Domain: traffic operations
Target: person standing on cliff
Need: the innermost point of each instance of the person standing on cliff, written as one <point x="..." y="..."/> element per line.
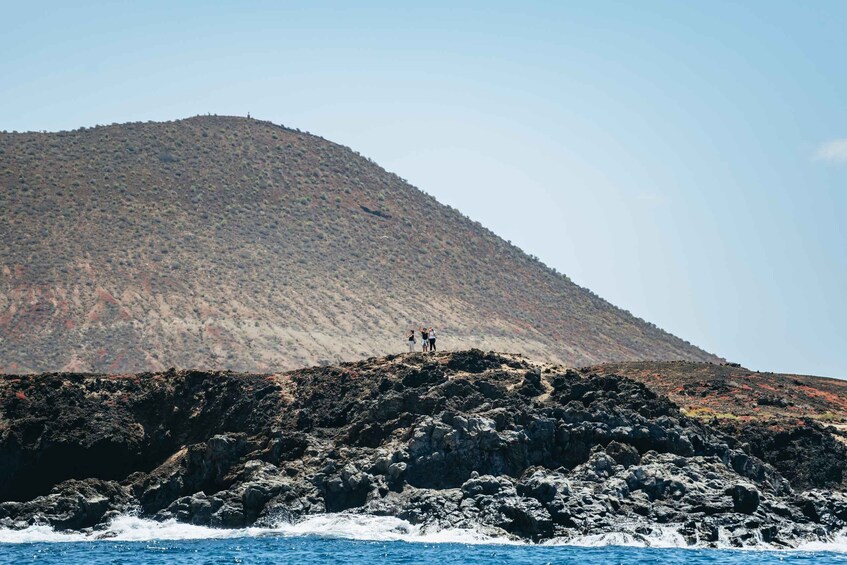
<point x="411" y="339"/>
<point x="432" y="339"/>
<point x="425" y="339"/>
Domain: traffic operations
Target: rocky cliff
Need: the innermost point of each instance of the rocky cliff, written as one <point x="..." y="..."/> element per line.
<point x="463" y="440"/>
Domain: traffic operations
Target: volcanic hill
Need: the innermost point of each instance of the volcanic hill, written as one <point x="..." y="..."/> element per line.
<point x="230" y="243"/>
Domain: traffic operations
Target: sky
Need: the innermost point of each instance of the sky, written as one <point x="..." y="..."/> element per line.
<point x="686" y="161"/>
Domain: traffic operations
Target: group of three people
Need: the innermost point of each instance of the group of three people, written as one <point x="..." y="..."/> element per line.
<point x="427" y="337"/>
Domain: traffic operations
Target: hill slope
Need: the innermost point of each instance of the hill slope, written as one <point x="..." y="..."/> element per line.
<point x="229" y="243"/>
<point x="731" y="392"/>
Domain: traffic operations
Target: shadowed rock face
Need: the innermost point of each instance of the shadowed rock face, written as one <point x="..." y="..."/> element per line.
<point x="469" y="440"/>
<point x="62" y="426"/>
<point x="809" y="455"/>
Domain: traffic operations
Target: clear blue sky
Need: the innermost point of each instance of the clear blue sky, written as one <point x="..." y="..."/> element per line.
<point x="685" y="160"/>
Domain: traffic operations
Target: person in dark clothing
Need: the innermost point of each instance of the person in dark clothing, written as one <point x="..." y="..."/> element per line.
<point x="424" y="339"/>
<point x="431" y="334"/>
<point x="411" y="339"/>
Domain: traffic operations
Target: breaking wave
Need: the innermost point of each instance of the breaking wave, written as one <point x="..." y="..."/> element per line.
<point x="344" y="526"/>
<point x="129" y="528"/>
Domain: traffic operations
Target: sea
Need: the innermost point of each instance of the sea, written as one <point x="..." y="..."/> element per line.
<point x="365" y="539"/>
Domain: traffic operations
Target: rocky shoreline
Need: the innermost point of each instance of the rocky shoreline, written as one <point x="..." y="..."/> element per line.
<point x="475" y="440"/>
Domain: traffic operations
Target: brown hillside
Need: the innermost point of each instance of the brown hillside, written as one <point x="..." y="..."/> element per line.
<point x="229" y="243"/>
<point x="731" y="392"/>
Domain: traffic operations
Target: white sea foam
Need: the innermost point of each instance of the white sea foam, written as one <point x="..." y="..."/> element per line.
<point x="381" y="528"/>
<point x="837" y="544"/>
<point x="667" y="538"/>
<point x="358" y="527"/>
<point x="123" y="528"/>
<point x="345" y="526"/>
<point x="38" y="534"/>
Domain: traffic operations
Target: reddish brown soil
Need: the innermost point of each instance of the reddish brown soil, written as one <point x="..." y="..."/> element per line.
<point x="729" y="392"/>
<point x="227" y="243"/>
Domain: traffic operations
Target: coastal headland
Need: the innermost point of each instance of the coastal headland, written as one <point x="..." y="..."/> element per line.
<point x="485" y="441"/>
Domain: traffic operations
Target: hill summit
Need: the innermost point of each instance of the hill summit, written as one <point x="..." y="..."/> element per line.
<point x="231" y="243"/>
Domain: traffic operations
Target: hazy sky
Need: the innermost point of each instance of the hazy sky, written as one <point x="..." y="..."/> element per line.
<point x="685" y="160"/>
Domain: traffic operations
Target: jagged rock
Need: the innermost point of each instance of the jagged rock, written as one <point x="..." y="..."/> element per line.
<point x="623" y="454"/>
<point x="745" y="498"/>
<point x="228" y="516"/>
<point x="488" y="485"/>
<point x="469" y="440"/>
<point x="396" y="470"/>
<point x="72" y="505"/>
<point x="544" y="486"/>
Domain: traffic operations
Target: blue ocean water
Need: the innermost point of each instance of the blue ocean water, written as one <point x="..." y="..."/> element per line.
<point x="308" y="549"/>
<point x="350" y="538"/>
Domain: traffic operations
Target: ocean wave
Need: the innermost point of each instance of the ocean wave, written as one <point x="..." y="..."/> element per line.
<point x="665" y="538"/>
<point x="344" y="526"/>
<point x="129" y="528"/>
<point x="836" y="544"/>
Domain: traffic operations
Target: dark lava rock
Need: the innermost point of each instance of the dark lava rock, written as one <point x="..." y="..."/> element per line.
<point x="475" y="361"/>
<point x="771" y="400"/>
<point x="745" y="498"/>
<point x="809" y="456"/>
<point x="71" y="505"/>
<point x="463" y="440"/>
<point x="624" y="454"/>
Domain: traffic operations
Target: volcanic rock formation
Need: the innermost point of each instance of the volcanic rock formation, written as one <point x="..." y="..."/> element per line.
<point x="464" y="440"/>
<point x="229" y="243"/>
